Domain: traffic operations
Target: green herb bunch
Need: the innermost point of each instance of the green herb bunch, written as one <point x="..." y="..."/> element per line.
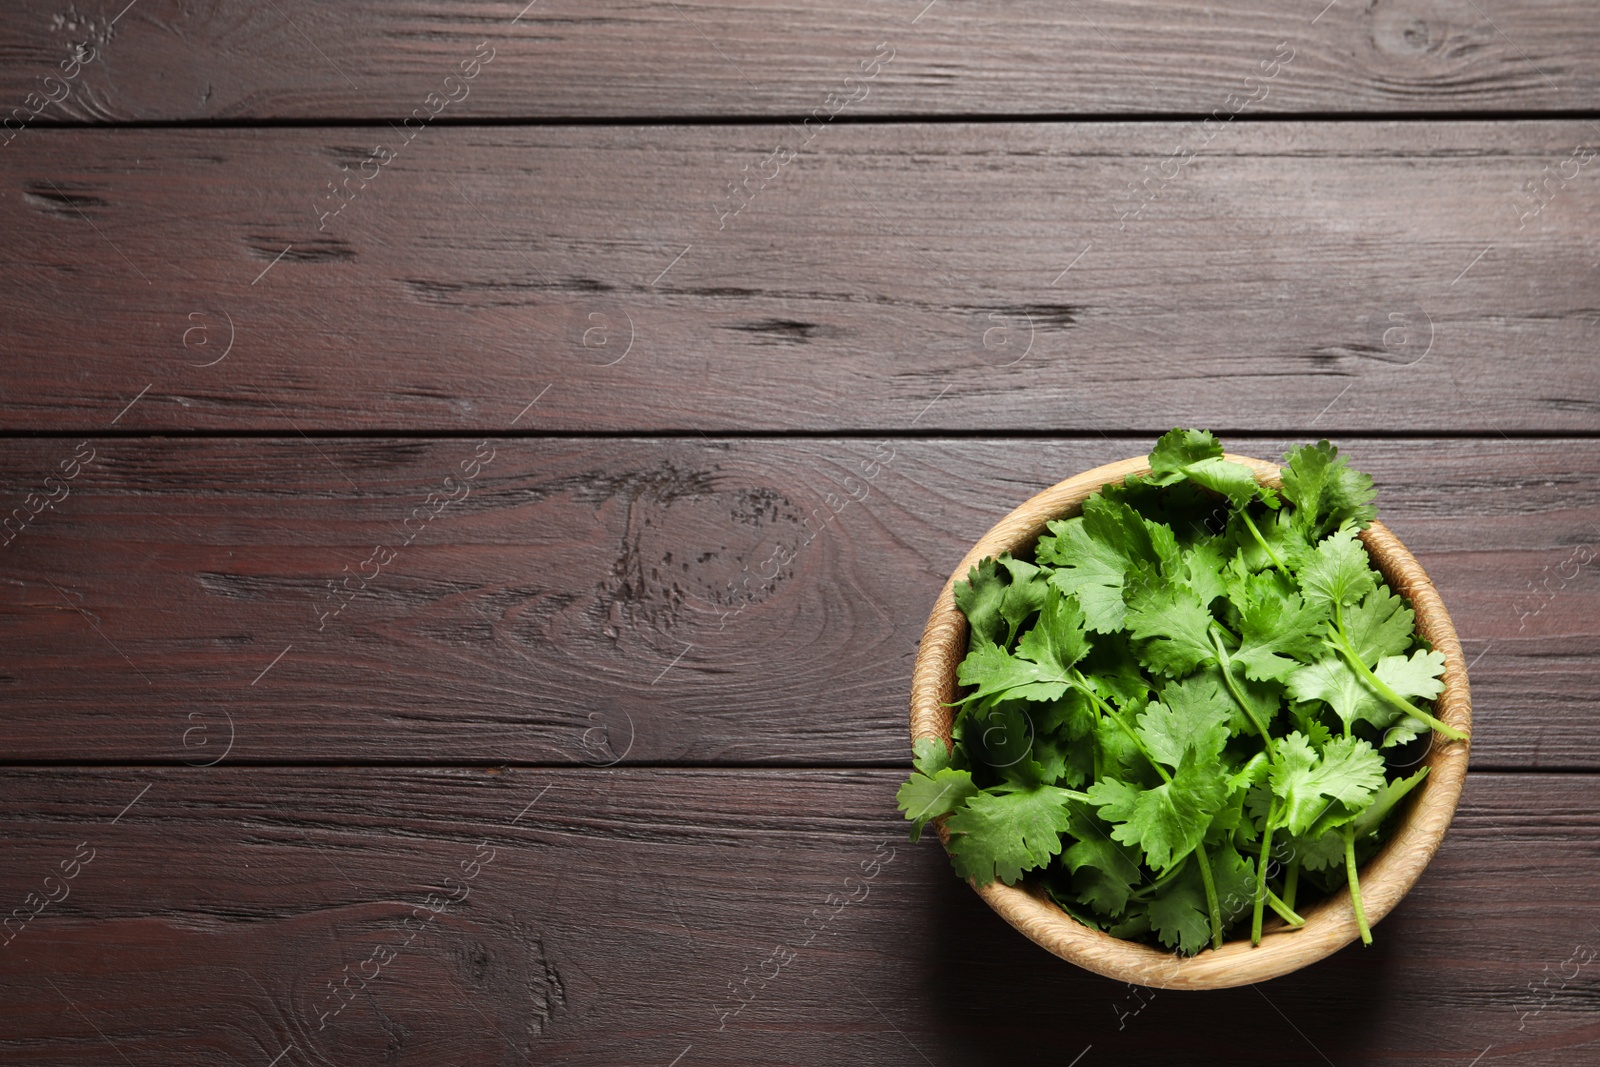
<point x="1193" y="680"/>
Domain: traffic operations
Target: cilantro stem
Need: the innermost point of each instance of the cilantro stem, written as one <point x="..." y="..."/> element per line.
<point x="1379" y="686"/>
<point x="1078" y="682"/>
<point x="1226" y="663"/>
<point x="1144" y="892"/>
<point x="1291" y="882"/>
<point x="1286" y="913"/>
<point x="1261" y="873"/>
<point x="1212" y="904"/>
<point x="1244" y="514"/>
<point x="1355" y="884"/>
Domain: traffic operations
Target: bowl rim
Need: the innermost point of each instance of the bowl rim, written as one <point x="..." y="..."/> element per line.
<point x="1330" y="924"/>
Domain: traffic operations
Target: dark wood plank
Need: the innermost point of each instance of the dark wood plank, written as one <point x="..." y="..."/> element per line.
<point x="1368" y="276"/>
<point x="617" y="914"/>
<point x="722" y="601"/>
<point x="296" y="59"/>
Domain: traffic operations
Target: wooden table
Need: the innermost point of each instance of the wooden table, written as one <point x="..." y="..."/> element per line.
<point x="492" y="463"/>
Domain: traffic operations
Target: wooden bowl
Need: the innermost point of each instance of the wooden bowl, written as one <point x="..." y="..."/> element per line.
<point x="1331" y="924"/>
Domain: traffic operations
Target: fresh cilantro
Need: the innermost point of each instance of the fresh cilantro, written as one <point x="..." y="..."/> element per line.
<point x="1090" y="557"/>
<point x="1182" y="701"/>
<point x="1419" y="676"/>
<point x="1277" y="629"/>
<point x="1193" y="721"/>
<point x="1167" y="821"/>
<point x="1178" y="914"/>
<point x="1197" y="456"/>
<point x="925" y="798"/>
<point x="1326" y="493"/>
<point x="1384" y="802"/>
<point x="995" y="606"/>
<point x="1380" y="625"/>
<point x="979" y="597"/>
<point x="1058" y="640"/>
<point x="1105" y="873"/>
<point x="929" y="755"/>
<point x="1348" y="770"/>
<point x="1000" y="835"/>
<point x="1172" y="623"/>
<point x="1038" y="670"/>
<point x="1203" y="565"/>
<point x="1333" y="682"/>
<point x="1339" y="571"/>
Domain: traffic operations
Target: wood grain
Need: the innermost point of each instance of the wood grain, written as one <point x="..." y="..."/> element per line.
<point x="616" y="912"/>
<point x="386" y="652"/>
<point x="561" y="58"/>
<point x="1374" y="276"/>
<point x="719" y="601"/>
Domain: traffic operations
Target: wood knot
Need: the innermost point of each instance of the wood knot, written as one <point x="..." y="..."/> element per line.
<point x="1410" y="29"/>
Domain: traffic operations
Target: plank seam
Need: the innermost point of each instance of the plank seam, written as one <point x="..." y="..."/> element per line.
<point x="899" y="433"/>
<point x="893" y="119"/>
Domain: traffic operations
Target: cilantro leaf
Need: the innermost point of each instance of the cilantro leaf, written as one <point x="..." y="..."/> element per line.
<point x="1277" y="629"/>
<point x="1105" y="881"/>
<point x="1289" y="546"/>
<point x="1235" y="881"/>
<point x="1408" y="729"/>
<point x="1044" y="656"/>
<point x="924" y="798"/>
<point x="1058" y="639"/>
<point x="1168" y="821"/>
<point x="1174" y="625"/>
<point x="1288" y="541"/>
<point x="1197" y="456"/>
<point x="1317" y="731"/>
<point x="1195" y="722"/>
<point x="1203" y="567"/>
<point x="1178" y="914"/>
<point x="1254" y="772"/>
<point x="1119" y="755"/>
<point x="929" y="755"/>
<point x="1339" y="571"/>
<point x="1384" y="802"/>
<point x="1265" y="699"/>
<point x="1348" y="770"/>
<point x="1113" y="671"/>
<point x="1025" y="595"/>
<point x="1229" y="823"/>
<point x="1320" y="852"/>
<point x="992" y="671"/>
<point x="1092" y="554"/>
<point x="1419" y="676"/>
<point x="1334" y="681"/>
<point x="1061" y="761"/>
<point x="1000" y="835"/>
<point x="979" y="597"/>
<point x="1072" y="715"/>
<point x="1133" y="926"/>
<point x="1192" y="512"/>
<point x="1325" y="492"/>
<point x="1104" y="872"/>
<point x="1001" y="735"/>
<point x="1380" y="625"/>
<point x="996" y="607"/>
<point x="1350" y="696"/>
